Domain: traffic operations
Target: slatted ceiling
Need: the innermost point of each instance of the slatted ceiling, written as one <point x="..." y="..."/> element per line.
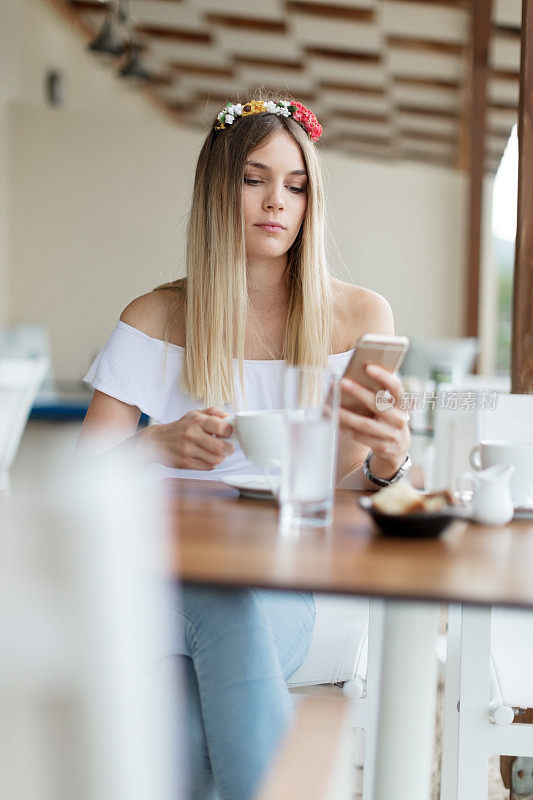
<point x="429" y="147"/>
<point x="350" y="4"/>
<point x="500" y="119"/>
<point x="504" y="52"/>
<point x="438" y="98"/>
<point x="434" y="23"/>
<point x="167" y="13"/>
<point x="297" y="79"/>
<point x="363" y="37"/>
<point x="503" y="91"/>
<point x="192" y="84"/>
<point x="168" y="50"/>
<point x="371" y="74"/>
<point x="270" y="9"/>
<point x="496" y="144"/>
<point x="508" y="12"/>
<point x="383" y="76"/>
<point x="366" y="103"/>
<point x="425" y="64"/>
<point x="427" y="123"/>
<point x="254" y="42"/>
<point x="345" y="127"/>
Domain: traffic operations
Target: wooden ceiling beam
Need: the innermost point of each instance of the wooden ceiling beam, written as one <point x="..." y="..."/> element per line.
<point x="432" y="46"/>
<point x="87" y="5"/>
<point x="362" y="116"/>
<point x="477" y="105"/>
<point x="247" y="23"/>
<point x="436" y="3"/>
<point x="184" y="68"/>
<point x="268" y="63"/>
<point x="352" y="88"/>
<point x="176" y="34"/>
<point x="361" y="138"/>
<point x="345" y="55"/>
<point x="330" y="11"/>
<point x="416" y="133"/>
<point x="504" y="75"/>
<point x="522" y="335"/>
<point x="426" y="111"/>
<point x="425" y="83"/>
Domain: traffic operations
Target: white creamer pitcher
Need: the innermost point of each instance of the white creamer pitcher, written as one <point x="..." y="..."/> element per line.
<point x="491" y="502"/>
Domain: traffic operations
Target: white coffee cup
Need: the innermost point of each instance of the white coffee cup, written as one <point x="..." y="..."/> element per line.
<point x="260" y="435"/>
<point x="490" y="452"/>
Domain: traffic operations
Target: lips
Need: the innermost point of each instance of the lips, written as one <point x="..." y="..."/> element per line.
<point x="271" y="227"/>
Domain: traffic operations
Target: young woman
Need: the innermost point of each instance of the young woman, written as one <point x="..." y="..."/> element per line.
<point x="257" y="295"/>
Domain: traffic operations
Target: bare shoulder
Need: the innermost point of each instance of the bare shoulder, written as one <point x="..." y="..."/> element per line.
<point x="357" y="311"/>
<point x="156" y="313"/>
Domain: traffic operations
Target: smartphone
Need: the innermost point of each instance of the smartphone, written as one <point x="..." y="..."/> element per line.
<point x="385" y="351"/>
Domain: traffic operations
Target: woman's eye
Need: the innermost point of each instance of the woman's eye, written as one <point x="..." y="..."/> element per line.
<point x="297" y="189"/>
<point x="252" y="181"/>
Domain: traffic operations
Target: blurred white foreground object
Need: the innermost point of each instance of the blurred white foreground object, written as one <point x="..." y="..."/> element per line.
<point x="84" y="711"/>
<point x="20" y="380"/>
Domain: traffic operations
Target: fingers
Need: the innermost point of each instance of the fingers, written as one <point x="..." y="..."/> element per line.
<point x="386" y="379"/>
<point x="362" y="426"/>
<point x="389" y="411"/>
<point x="214" y="444"/>
<point x="192" y="451"/>
<point x="213" y="411"/>
<point x="214" y="424"/>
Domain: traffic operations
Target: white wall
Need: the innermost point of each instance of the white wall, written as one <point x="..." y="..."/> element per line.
<point x="100" y="194"/>
<point x="9" y="72"/>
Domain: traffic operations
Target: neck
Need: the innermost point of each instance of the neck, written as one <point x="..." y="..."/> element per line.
<point x="268" y="285"/>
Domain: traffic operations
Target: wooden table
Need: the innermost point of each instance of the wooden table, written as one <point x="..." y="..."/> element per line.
<point x="220" y="539"/>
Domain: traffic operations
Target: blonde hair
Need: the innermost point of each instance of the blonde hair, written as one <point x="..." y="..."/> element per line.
<point x="216" y="298"/>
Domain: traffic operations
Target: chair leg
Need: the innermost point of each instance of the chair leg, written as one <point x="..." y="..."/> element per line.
<point x="365" y="710"/>
<point x="474" y="722"/>
<point x="450" y="724"/>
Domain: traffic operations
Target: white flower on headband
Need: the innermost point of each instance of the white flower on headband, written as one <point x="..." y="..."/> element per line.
<point x="272" y="107"/>
<point x="237" y="109"/>
<point x="229" y="119"/>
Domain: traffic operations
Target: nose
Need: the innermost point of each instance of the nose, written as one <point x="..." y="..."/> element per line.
<point x="274" y="198"/>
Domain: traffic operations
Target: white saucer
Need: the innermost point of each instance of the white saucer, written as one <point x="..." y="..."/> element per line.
<point x="255" y="486"/>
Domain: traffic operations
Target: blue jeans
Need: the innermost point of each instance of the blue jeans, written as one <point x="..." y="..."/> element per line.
<point x="240" y="646"/>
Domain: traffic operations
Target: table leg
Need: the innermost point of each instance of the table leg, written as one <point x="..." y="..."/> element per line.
<point x="407" y="698"/>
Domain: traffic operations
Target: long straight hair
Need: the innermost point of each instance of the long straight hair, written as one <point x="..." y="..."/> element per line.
<point x="215" y="289"/>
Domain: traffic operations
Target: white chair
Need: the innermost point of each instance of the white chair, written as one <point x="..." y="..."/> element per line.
<point x="490" y="652"/>
<point x="456" y="423"/>
<point x="79" y="626"/>
<point x="20" y="380"/>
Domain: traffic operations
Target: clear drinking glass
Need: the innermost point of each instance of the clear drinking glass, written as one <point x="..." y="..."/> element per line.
<point x="309" y="451"/>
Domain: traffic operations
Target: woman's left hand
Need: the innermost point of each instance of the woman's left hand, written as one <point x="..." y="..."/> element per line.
<point x="386" y="430"/>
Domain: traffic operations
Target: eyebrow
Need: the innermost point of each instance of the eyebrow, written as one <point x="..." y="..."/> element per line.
<point x="258" y="165"/>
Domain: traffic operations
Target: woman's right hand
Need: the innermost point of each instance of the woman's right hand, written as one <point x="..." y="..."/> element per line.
<point x="196" y="441"/>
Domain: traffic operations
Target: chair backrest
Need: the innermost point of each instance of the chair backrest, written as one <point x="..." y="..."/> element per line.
<point x="82" y="631"/>
<point x="20" y="380"/>
<point x="454" y="354"/>
<point x="511" y="419"/>
<point x="457" y="424"/>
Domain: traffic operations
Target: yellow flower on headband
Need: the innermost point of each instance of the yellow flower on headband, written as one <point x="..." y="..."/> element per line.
<point x="253" y="107"/>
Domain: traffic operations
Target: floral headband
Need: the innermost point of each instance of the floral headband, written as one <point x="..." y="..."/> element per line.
<point x="282" y="108"/>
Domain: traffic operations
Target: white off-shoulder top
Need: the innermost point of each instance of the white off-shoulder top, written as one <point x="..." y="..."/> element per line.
<point x="144" y="372"/>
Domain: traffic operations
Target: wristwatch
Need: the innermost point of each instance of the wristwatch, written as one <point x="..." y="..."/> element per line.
<point x="404" y="468"/>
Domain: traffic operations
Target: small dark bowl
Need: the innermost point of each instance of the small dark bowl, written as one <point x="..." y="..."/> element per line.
<point x="418" y="525"/>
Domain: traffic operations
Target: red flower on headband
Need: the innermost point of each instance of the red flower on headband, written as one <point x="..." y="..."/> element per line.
<point x="306" y="117"/>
